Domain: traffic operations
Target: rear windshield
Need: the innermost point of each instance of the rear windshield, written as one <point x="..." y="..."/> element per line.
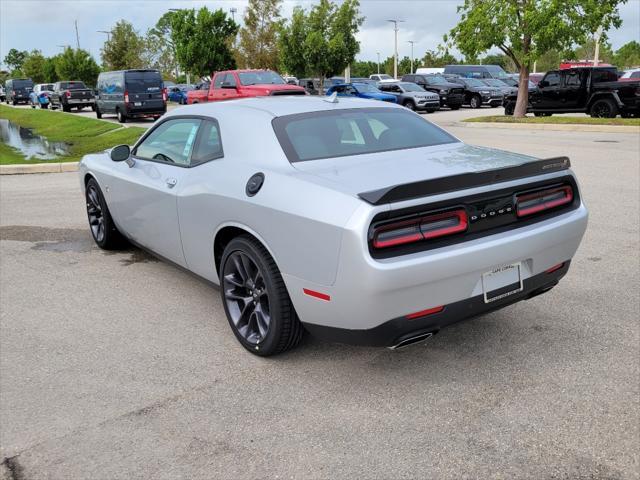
<point x="22" y="83"/>
<point x="260" y="78"/>
<point x="143" y="82"/>
<point x="341" y="133"/>
<point x="71" y="85"/>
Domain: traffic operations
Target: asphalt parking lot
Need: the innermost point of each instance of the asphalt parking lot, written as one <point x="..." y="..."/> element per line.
<point x="116" y="365"/>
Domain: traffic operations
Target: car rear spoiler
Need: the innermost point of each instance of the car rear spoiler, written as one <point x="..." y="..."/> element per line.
<point x="407" y="191"/>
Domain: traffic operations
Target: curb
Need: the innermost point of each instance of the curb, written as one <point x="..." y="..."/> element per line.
<point x="566" y="127"/>
<point x="22" y="168"/>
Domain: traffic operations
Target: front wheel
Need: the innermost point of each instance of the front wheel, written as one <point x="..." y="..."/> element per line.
<point x="475" y="102"/>
<point x="604" y="108"/>
<point x="103" y="230"/>
<point x="509" y="108"/>
<point x="122" y="118"/>
<point x="409" y="104"/>
<point x="255" y="299"/>
<point x="98" y="112"/>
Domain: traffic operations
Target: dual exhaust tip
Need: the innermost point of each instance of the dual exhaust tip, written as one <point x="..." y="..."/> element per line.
<point x="421" y="337"/>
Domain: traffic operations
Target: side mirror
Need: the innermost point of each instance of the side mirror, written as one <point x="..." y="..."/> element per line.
<point x="120" y="153"/>
<point x="227" y="85"/>
<point x="543" y="84"/>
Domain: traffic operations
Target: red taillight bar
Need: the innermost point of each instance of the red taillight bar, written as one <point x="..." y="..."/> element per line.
<point x="319" y="295"/>
<point x="554" y="268"/>
<point x="422" y="228"/>
<point x="126" y="97"/>
<point x="68" y="94"/>
<point x="531" y="203"/>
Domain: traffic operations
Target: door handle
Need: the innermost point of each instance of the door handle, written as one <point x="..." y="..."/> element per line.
<point x="171" y="182"/>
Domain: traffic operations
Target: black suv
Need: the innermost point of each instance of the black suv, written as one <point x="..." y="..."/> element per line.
<point x="18" y="90"/>
<point x="477" y="93"/>
<point x="592" y="90"/>
<point x="451" y="94"/>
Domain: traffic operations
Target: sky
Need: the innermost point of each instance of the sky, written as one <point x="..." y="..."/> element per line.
<point x="48" y="25"/>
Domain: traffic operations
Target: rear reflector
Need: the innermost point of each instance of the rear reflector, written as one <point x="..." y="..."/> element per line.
<point x="423" y="228"/>
<point x="424" y="313"/>
<point x="530" y="203"/>
<point x="554" y="268"/>
<point x="313" y="293"/>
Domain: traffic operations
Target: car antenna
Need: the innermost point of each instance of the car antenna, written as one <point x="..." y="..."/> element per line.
<point x="333" y="98"/>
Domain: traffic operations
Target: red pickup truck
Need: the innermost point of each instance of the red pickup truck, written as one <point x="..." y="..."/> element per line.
<point x="232" y="84"/>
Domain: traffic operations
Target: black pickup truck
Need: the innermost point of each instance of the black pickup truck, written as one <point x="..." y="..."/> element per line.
<point x="68" y="95"/>
<point x="592" y="90"/>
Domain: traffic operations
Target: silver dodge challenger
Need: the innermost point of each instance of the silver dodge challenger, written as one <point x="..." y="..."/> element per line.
<point x="358" y="221"/>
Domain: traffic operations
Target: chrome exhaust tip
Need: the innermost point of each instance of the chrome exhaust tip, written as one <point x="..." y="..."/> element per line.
<point x="412" y="341"/>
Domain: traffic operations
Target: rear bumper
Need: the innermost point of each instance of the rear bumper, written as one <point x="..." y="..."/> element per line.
<point x="146" y="111"/>
<point x="399" y="329"/>
<point x="454" y="100"/>
<point x="428" y="105"/>
<point x="367" y="293"/>
<point x="79" y="101"/>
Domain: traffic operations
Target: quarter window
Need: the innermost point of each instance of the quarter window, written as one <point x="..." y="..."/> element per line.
<point x="553" y="79"/>
<point x="572" y="79"/>
<point x="171" y="142"/>
<point x="209" y="144"/>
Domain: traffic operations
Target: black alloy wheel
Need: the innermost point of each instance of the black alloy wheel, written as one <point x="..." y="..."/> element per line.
<point x="247" y="298"/>
<point x="255" y="299"/>
<point x="103" y="230"/>
<point x="604" y="108"/>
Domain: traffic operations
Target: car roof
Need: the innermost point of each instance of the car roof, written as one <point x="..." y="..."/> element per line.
<point x="277" y="106"/>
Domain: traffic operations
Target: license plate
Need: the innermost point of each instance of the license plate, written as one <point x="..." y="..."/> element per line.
<point x="137" y="104"/>
<point x="502" y="282"/>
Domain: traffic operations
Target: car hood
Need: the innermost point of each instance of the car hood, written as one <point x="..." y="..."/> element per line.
<point x="421" y="95"/>
<point x="362" y="173"/>
<point x="270" y="87"/>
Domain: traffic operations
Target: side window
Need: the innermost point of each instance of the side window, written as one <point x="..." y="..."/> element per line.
<point x="572" y="79"/>
<point x="604" y="76"/>
<point x="552" y="79"/>
<point x="171" y="142"/>
<point x="217" y="82"/>
<point x="230" y="79"/>
<point x="209" y="145"/>
<point x="635" y="75"/>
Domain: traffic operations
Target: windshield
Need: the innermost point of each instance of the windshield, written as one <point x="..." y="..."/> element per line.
<point x="435" y="80"/>
<point x="260" y="78"/>
<point x="342" y="133"/>
<point x="473" y="82"/>
<point x="510" y="81"/>
<point x="72" y="85"/>
<point x="411" y="87"/>
<point x="143" y="82"/>
<point x="493" y="82"/>
<point x="384" y="76"/>
<point x="366" y="87"/>
<point x="22" y="83"/>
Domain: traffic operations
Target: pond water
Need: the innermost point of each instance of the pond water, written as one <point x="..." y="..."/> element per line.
<point x="32" y="146"/>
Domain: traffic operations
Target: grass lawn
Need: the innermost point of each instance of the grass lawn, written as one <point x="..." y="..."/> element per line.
<point x="557" y="120"/>
<point x="85" y="135"/>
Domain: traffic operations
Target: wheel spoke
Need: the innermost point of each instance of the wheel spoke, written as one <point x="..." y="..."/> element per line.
<point x="239" y="268"/>
<point x="232" y="280"/>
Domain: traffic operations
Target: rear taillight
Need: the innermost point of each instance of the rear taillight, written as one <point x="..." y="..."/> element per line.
<point x="164" y="94"/>
<point x="126" y="97"/>
<point x="530" y="203"/>
<point x="422" y="228"/>
<point x="68" y="94"/>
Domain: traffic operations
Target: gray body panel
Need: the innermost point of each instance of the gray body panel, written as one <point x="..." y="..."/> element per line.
<point x="309" y="216"/>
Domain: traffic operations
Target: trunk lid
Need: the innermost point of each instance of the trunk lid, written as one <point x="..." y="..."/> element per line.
<point x="364" y="173"/>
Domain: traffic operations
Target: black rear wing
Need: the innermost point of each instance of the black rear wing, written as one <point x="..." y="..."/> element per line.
<point x="408" y="191"/>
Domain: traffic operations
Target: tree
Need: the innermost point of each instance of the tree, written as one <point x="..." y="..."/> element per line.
<point x="549" y="60"/>
<point x="404" y="66"/>
<point x="160" y="51"/>
<point x="203" y="40"/>
<point x="259" y="36"/>
<point x="628" y="55"/>
<point x="49" y="69"/>
<point x="77" y="64"/>
<point x="587" y="51"/>
<point x="438" y="58"/>
<point x="364" y="68"/>
<point x="525" y="29"/>
<point x="499" y="59"/>
<point x="33" y="66"/>
<point x="124" y="49"/>
<point x="328" y="39"/>
<point x="15" y="59"/>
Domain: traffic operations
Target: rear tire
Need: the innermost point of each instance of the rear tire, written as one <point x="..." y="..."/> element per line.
<point x="542" y="114"/>
<point x="65" y="108"/>
<point x="256" y="300"/>
<point x="103" y="230"/>
<point x="509" y="108"/>
<point x="122" y="118"/>
<point x="475" y="102"/>
<point x="604" y="108"/>
<point x="98" y="113"/>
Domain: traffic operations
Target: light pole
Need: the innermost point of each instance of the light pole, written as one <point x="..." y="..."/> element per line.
<point x="107" y="33"/>
<point x="233" y="11"/>
<point x="411" y="42"/>
<point x="596" y="54"/>
<point x="378" y="62"/>
<point x="395" y="55"/>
